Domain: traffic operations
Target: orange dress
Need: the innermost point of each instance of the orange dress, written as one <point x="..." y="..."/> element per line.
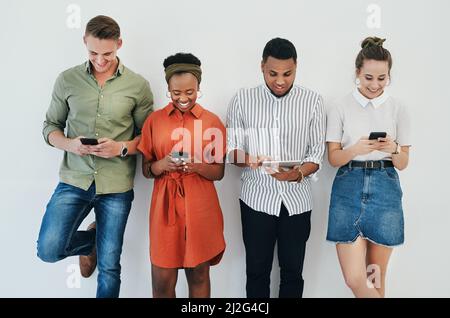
<point x="186" y="222"/>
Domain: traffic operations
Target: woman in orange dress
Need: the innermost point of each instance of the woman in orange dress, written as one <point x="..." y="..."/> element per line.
<point x="186" y="223"/>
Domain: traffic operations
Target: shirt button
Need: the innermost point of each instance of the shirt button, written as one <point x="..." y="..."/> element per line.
<point x="95" y="172"/>
<point x="101" y="96"/>
<point x="96" y="135"/>
<point x="98" y="115"/>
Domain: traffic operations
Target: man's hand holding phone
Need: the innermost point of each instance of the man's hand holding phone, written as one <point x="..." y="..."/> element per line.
<point x="105" y="148"/>
<point x="77" y="147"/>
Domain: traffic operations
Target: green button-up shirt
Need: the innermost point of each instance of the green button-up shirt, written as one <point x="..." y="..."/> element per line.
<point x="80" y="107"/>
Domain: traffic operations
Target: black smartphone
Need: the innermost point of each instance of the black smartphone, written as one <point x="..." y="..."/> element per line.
<point x="376" y="135"/>
<point x="89" y="141"/>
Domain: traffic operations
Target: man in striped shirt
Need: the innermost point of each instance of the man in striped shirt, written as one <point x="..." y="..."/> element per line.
<point x="280" y="121"/>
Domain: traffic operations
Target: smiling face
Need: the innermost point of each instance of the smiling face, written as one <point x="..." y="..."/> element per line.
<point x="102" y="53"/>
<point x="279" y="75"/>
<point x="373" y="76"/>
<point x="183" y="88"/>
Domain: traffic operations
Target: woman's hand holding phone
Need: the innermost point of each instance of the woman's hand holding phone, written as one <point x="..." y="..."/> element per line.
<point x="166" y="164"/>
<point x="364" y="146"/>
<point x="387" y="145"/>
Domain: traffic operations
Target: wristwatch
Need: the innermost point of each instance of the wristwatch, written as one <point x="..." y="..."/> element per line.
<point x="123" y="150"/>
<point x="399" y="148"/>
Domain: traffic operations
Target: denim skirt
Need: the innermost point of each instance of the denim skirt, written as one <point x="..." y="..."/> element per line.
<point x="367" y="203"/>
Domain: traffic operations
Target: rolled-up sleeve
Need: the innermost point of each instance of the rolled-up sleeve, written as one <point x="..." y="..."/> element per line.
<point x="317" y="130"/>
<point x="235" y="126"/>
<point x="144" y="106"/>
<point x="56" y="116"/>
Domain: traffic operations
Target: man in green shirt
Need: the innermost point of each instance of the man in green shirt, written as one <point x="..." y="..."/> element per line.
<point x="107" y="103"/>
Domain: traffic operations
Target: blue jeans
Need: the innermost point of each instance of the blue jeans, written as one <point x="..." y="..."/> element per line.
<point x="59" y="236"/>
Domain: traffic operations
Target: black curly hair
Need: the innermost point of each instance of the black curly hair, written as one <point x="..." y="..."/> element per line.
<point x="281" y="49"/>
<point x="184" y="58"/>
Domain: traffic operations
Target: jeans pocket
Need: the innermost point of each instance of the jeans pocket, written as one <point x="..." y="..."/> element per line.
<point x="391" y="173"/>
<point x="342" y="171"/>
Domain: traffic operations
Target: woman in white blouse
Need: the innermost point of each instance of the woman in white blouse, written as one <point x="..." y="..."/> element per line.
<point x="366" y="215"/>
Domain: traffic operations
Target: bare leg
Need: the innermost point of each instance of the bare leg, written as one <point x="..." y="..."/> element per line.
<point x="164" y="281"/>
<point x="352" y="258"/>
<point x="379" y="256"/>
<point x="198" y="281"/>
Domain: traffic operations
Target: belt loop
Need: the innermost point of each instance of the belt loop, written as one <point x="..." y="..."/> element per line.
<point x="381" y="164"/>
<point x="350" y="165"/>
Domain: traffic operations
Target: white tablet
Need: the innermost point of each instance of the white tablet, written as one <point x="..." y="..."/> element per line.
<point x="282" y="164"/>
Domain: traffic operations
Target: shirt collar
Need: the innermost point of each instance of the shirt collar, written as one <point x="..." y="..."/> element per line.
<point x="119" y="71"/>
<point x="269" y="92"/>
<point x="196" y="110"/>
<point x="364" y="101"/>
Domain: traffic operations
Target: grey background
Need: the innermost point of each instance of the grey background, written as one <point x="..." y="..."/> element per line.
<point x="228" y="36"/>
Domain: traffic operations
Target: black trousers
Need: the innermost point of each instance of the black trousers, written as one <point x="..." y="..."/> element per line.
<point x="260" y="232"/>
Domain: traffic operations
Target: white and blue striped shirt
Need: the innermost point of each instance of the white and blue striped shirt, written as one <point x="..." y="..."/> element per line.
<point x="291" y="127"/>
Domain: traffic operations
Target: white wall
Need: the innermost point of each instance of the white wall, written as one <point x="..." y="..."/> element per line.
<point x="228" y="36"/>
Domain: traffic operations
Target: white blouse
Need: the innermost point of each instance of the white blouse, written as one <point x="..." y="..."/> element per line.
<point x="355" y="116"/>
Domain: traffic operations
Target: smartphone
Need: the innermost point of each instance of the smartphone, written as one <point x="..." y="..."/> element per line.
<point x="376" y="135"/>
<point x="89" y="141"/>
<point x="180" y="156"/>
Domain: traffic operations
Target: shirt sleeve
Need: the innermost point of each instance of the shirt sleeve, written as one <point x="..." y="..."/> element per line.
<point x="335" y="127"/>
<point x="235" y="126"/>
<point x="403" y="127"/>
<point x="56" y="116"/>
<point x="145" y="145"/>
<point x="144" y="106"/>
<point x="316" y="143"/>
